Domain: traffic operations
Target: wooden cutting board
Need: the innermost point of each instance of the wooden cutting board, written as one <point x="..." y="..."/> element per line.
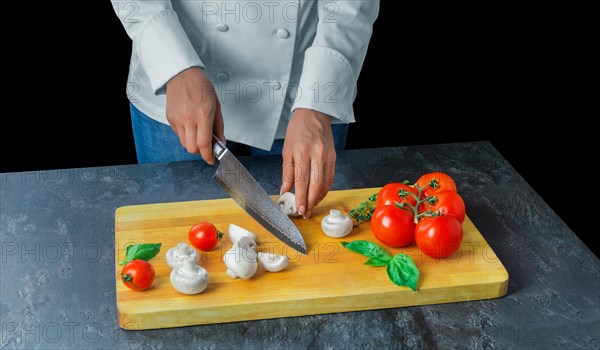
<point x="328" y="279"/>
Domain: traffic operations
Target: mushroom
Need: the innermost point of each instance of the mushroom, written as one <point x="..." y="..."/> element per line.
<point x="336" y="224"/>
<point x="273" y="262"/>
<point x="287" y="204"/>
<point x="236" y="233"/>
<point x="189" y="278"/>
<point x="179" y="253"/>
<point x="241" y="259"/>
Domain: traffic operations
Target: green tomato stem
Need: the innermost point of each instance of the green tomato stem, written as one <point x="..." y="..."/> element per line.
<point x="365" y="210"/>
<point x="415" y="208"/>
<point x="128" y="278"/>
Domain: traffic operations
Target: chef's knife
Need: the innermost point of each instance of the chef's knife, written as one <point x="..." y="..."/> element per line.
<point x="248" y="194"/>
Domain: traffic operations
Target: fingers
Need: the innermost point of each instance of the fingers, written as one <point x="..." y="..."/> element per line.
<point x="322" y="197"/>
<point x="306" y="178"/>
<point x="190" y="139"/>
<point x="180" y="132"/>
<point x="301" y="181"/>
<point x="310" y="154"/>
<point x="193" y="110"/>
<point x="312" y="180"/>
<point x="315" y="187"/>
<point x="205" y="138"/>
<point x="197" y="138"/>
<point x="218" y="125"/>
<point x="328" y="177"/>
<point x="322" y="173"/>
<point x="287" y="172"/>
<point x="204" y="134"/>
<point x="173" y="127"/>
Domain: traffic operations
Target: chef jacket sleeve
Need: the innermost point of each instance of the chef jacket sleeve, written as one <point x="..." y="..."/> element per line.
<point x="333" y="62"/>
<point x="159" y="39"/>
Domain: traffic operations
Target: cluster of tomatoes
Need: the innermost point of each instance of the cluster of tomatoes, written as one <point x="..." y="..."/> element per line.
<point x="429" y="213"/>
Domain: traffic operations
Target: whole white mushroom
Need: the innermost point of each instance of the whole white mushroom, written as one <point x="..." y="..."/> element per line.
<point x="189" y="278"/>
<point x="336" y="224"/>
<point x="179" y="253"/>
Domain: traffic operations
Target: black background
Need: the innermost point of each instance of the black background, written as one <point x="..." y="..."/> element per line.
<point x="452" y="74"/>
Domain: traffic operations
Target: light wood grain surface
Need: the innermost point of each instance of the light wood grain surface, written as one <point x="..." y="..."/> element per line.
<point x="328" y="279"/>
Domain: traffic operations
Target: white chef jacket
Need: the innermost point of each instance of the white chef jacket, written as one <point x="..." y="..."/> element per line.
<point x="265" y="58"/>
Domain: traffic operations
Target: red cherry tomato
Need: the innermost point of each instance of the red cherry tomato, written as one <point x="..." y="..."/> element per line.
<point x="393" y="226"/>
<point x="448" y="203"/>
<point x="138" y="274"/>
<point x="445" y="183"/>
<point x="439" y="237"/>
<point x="389" y="194"/>
<point x="204" y="236"/>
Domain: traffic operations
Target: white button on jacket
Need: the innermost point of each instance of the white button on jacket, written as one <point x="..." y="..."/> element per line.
<point x="265" y="58"/>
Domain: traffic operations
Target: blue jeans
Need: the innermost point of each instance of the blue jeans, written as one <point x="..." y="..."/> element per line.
<point x="155" y="142"/>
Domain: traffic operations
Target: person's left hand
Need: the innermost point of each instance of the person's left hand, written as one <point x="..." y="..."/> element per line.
<point x="308" y="159"/>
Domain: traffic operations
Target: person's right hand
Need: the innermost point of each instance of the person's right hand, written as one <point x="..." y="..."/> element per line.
<point x="194" y="112"/>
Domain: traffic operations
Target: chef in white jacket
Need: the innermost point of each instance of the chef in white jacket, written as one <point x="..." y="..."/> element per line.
<point x="260" y="73"/>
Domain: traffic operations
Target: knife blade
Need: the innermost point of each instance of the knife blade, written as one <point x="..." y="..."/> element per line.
<point x="233" y="177"/>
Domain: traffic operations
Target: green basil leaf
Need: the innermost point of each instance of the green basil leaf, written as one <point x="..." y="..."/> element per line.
<point x="368" y="249"/>
<point x="376" y="262"/>
<point x="403" y="271"/>
<point x="143" y="251"/>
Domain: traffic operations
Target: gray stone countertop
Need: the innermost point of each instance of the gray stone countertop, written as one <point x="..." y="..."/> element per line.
<point x="57" y="261"/>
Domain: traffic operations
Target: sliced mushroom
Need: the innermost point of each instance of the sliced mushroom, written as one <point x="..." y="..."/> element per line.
<point x="236" y="233"/>
<point x="273" y="262"/>
<point x="179" y="253"/>
<point x="189" y="278"/>
<point x="287" y="204"/>
<point x="241" y="259"/>
<point x="336" y="224"/>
